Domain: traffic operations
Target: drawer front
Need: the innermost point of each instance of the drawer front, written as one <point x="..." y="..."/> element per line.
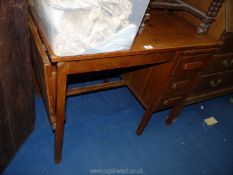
<point x="201" y="51"/>
<point x="180" y="84"/>
<point x="220" y="63"/>
<point x="108" y="63"/>
<point x="213" y="82"/>
<point x="170" y="100"/>
<point x="191" y="64"/>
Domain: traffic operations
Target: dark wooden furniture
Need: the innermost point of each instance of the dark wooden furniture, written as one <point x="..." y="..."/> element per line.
<point x="229" y="15"/>
<point x="217" y="77"/>
<point x="194" y="53"/>
<point x="174" y="62"/>
<point x="207" y="18"/>
<point x="16" y="85"/>
<point x="219" y="72"/>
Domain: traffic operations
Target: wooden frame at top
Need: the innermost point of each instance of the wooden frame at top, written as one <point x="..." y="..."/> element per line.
<point x="207" y="18"/>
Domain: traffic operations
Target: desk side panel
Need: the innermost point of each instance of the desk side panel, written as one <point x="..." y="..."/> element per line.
<point x="45" y="73"/>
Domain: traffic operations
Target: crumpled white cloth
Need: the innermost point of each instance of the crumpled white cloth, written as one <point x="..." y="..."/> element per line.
<point x="75" y="27"/>
<point x="89" y="24"/>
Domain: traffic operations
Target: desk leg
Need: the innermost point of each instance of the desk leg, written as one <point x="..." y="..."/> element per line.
<point x="145" y="119"/>
<point x="156" y="93"/>
<point x="175" y="112"/>
<point x="60" y="110"/>
<point x="178" y="108"/>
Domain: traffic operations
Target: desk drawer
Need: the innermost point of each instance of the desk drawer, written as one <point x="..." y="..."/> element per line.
<point x="179" y="84"/>
<point x="191" y="64"/>
<point x="216" y="81"/>
<point x="170" y="100"/>
<point x="201" y="51"/>
<point x="108" y="63"/>
<point x="220" y="63"/>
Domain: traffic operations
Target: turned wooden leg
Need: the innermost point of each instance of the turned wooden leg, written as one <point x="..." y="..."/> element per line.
<point x="60" y="111"/>
<point x="145" y="119"/>
<point x="212" y="12"/>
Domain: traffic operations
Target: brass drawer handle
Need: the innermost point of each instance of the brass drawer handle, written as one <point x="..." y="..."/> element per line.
<point x="171" y="100"/>
<point x="216" y="83"/>
<point x="227" y="63"/>
<point x="181" y="84"/>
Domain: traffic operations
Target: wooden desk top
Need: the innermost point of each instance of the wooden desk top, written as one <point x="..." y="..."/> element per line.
<point x="164" y="32"/>
<point x="167" y="31"/>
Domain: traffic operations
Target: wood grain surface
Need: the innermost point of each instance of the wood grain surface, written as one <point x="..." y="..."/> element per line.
<point x="16" y="83"/>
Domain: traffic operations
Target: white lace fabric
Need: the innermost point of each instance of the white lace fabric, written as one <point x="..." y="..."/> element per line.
<point x="83" y="25"/>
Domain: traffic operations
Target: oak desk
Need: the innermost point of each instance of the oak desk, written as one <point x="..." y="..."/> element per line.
<point x="174" y="61"/>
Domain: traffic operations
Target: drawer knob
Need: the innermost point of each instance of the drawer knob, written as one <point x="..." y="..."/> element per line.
<point x="227" y="63"/>
<point x="216" y="83"/>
